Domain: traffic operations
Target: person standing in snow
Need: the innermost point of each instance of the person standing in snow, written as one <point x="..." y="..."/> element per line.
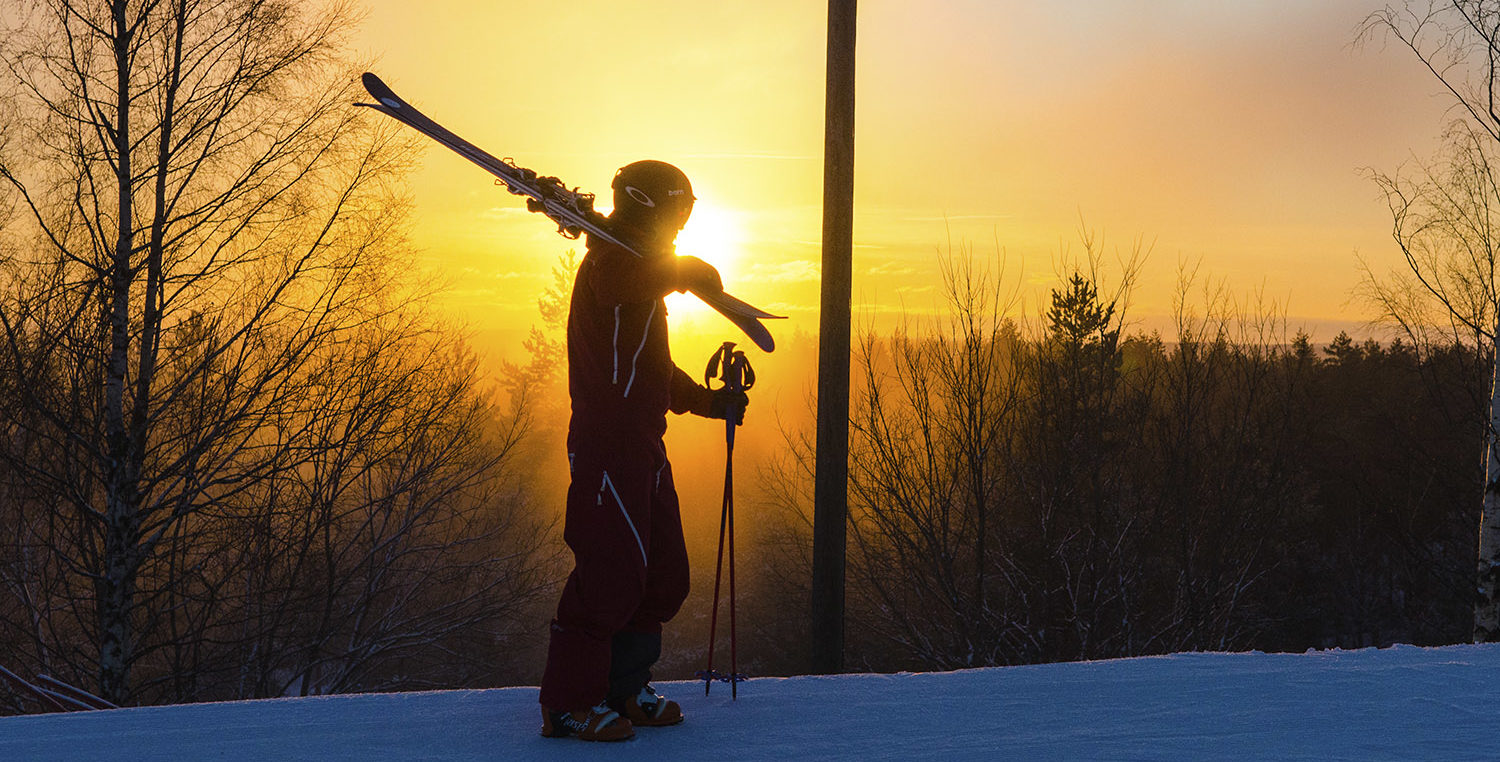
<point x="630" y="572"/>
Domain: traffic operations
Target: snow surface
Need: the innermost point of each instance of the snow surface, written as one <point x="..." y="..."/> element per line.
<point x="1402" y="703"/>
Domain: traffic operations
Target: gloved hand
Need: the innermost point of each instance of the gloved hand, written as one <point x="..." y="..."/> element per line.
<point x="693" y="273"/>
<point x="724" y="403"/>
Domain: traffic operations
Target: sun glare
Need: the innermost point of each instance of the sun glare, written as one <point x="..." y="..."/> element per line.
<point x="714" y="235"/>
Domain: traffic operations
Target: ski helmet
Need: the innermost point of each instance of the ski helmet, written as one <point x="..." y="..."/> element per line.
<point x="652" y="191"/>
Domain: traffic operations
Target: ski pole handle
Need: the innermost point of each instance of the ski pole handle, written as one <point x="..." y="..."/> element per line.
<point x="731" y="367"/>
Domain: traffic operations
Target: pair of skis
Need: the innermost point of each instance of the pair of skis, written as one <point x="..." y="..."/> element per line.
<point x="572" y="210"/>
<point x="56" y="695"/>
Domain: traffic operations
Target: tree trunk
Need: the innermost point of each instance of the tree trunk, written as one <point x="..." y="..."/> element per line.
<point x="115" y="592"/>
<point x="1486" y="605"/>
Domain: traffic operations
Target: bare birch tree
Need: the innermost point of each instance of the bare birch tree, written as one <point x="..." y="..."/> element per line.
<point x="1445" y="222"/>
<point x="207" y="324"/>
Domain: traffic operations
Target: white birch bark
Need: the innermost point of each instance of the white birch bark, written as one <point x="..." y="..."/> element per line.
<point x="1486" y="604"/>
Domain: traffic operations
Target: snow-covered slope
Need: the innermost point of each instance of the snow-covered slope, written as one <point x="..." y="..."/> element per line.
<point x="1402" y="703"/>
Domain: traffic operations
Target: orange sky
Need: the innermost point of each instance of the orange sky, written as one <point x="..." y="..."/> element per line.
<point x="1231" y="133"/>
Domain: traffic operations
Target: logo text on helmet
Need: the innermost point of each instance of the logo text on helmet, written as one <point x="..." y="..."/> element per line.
<point x="640" y="196"/>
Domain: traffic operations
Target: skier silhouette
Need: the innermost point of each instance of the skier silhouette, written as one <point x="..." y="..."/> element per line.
<point x="623" y="524"/>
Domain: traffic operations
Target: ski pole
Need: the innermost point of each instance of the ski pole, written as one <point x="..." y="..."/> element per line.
<point x="708" y="674"/>
<point x="733" y="369"/>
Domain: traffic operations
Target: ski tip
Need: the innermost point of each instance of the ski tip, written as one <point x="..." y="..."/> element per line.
<point x="760" y="336"/>
<point x="381" y="92"/>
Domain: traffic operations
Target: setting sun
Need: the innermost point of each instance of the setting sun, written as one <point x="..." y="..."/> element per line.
<point x="714" y="235"/>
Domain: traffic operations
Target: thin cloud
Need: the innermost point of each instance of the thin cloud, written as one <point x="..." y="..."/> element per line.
<point x="893" y="269"/>
<point x="961" y="218"/>
<point x="795" y="271"/>
<point x="749" y="155"/>
<point x="505" y="212"/>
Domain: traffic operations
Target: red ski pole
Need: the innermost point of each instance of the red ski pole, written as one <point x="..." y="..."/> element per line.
<point x="708" y="674"/>
<point x="733" y="368"/>
<point x="734" y="666"/>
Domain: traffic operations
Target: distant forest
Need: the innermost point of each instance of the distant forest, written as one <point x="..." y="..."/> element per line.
<point x="1080" y="494"/>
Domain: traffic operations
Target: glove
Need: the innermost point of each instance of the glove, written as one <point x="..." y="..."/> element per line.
<point x="724" y="403"/>
<point x="695" y="274"/>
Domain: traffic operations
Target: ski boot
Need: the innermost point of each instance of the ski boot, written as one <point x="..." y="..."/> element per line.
<point x="647" y="709"/>
<point x="599" y="723"/>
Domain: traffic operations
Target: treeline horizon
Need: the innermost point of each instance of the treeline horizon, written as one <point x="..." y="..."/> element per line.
<point x="1074" y="492"/>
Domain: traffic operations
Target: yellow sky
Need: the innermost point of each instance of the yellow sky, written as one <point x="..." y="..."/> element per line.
<point x="1232" y="133"/>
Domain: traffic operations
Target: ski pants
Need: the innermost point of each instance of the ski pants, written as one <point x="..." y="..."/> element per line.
<point x="630" y="573"/>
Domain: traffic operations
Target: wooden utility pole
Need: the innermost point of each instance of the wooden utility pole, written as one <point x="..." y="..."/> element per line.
<point x="831" y="483"/>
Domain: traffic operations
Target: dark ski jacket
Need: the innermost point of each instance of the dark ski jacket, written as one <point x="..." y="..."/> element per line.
<point x="620" y="372"/>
